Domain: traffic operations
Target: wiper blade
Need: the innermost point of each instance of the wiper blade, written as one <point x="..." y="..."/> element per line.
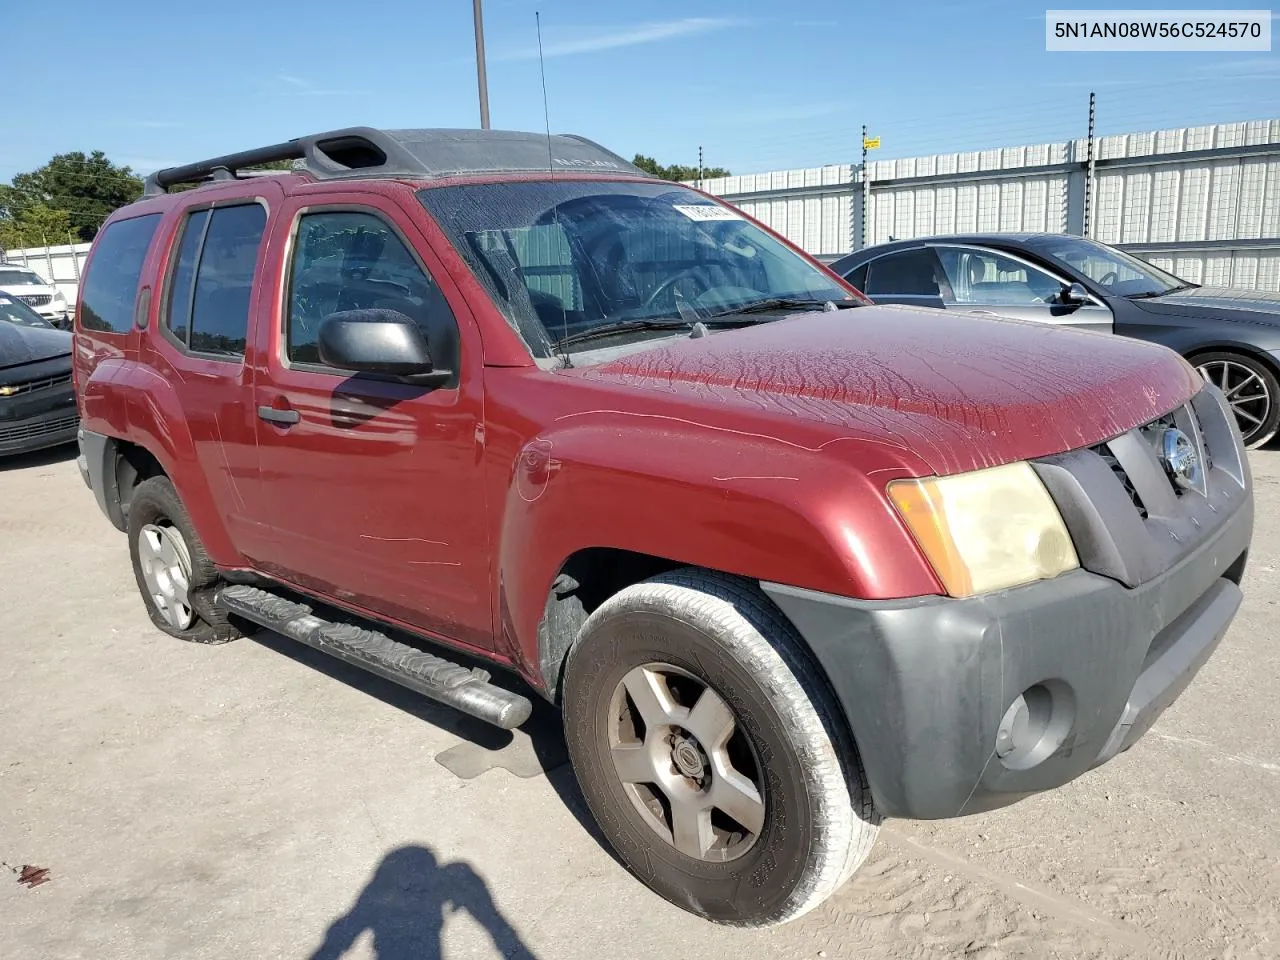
<point x="1147" y="295"/>
<point x="781" y="303"/>
<point x="622" y="326"/>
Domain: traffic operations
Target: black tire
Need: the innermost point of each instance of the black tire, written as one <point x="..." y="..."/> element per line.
<point x="1257" y="400"/>
<point x="819" y="823"/>
<point x="155" y="503"/>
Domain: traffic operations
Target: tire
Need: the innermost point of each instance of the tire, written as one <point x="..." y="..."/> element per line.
<point x="1256" y="402"/>
<point x="157" y="514"/>
<point x="717" y="634"/>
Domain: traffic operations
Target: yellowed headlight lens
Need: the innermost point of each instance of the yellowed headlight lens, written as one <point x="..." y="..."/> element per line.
<point x="986" y="530"/>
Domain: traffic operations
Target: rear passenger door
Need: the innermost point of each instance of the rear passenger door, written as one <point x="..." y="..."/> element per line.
<point x="982" y="280"/>
<point x="374" y="484"/>
<point x="200" y="343"/>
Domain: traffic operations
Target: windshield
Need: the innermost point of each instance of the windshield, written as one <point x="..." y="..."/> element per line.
<point x="11" y="277"/>
<point x="19" y="313"/>
<point x="562" y="258"/>
<point x="1117" y="272"/>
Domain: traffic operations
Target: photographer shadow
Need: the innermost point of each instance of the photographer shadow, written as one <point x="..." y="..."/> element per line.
<point x="403" y="906"/>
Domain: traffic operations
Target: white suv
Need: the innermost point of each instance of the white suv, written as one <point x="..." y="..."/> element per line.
<point x="36" y="292"/>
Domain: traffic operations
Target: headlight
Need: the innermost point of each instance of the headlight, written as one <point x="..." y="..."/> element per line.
<point x="59" y="297"/>
<point x="986" y="530"/>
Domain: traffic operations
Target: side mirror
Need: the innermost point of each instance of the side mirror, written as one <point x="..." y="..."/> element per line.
<point x="375" y="341"/>
<point x="1074" y="294"/>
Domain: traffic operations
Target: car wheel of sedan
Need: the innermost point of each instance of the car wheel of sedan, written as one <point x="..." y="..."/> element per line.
<point x="711" y="751"/>
<point x="174" y="573"/>
<point x="1251" y="389"/>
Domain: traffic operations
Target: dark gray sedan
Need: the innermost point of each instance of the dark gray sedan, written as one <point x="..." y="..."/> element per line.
<point x="1231" y="336"/>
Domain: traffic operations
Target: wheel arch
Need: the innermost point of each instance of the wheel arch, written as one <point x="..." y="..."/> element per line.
<point x="1234" y="346"/>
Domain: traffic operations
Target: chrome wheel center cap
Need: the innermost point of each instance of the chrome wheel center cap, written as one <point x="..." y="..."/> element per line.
<point x="687" y="757"/>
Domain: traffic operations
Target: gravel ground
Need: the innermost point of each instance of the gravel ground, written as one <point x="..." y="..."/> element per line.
<point x="258" y="800"/>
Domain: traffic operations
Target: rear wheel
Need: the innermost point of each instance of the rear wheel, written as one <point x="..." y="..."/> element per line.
<point x="174" y="573"/>
<point x="1250" y="387"/>
<point x="711" y="753"/>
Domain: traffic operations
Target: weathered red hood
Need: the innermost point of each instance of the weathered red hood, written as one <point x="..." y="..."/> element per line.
<point x="960" y="391"/>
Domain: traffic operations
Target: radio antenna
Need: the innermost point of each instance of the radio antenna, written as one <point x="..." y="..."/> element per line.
<point x="561" y="347"/>
<point x="542" y="69"/>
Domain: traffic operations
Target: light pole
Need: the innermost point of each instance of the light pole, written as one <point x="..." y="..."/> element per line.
<point x="480" y="74"/>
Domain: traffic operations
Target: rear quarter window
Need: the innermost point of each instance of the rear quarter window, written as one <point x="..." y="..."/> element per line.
<point x="111" y="284"/>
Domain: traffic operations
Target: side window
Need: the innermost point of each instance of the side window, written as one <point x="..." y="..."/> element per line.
<point x="348" y="260"/>
<point x="912" y="273"/>
<point x="987" y="277"/>
<point x="208" y="304"/>
<point x="111" y="285"/>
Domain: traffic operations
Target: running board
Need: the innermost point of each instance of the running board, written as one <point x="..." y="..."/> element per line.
<point x="466" y="690"/>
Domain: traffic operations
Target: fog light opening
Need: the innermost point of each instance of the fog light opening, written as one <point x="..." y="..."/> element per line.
<point x="1035" y="724"/>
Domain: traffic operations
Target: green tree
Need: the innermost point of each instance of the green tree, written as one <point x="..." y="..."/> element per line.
<point x="676" y="171"/>
<point x="87" y="186"/>
<point x="39" y="224"/>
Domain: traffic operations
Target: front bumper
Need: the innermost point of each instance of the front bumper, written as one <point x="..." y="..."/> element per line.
<point x="38" y="419"/>
<point x="930" y="685"/>
<point x="49" y="429"/>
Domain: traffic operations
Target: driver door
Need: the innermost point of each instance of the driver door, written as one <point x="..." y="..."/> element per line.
<point x="373" y="484"/>
<point x="984" y="281"/>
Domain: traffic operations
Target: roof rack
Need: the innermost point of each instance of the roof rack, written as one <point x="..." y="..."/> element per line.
<point x="364" y="152"/>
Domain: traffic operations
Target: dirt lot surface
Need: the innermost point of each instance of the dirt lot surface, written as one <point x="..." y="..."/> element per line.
<point x="257" y="800"/>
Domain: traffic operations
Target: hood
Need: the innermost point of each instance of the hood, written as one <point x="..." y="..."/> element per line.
<point x="28" y="289"/>
<point x="1224" y="303"/>
<point x="961" y="392"/>
<point x="20" y="344"/>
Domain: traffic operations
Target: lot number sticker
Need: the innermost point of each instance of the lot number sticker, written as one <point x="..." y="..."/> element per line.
<point x="707" y="211"/>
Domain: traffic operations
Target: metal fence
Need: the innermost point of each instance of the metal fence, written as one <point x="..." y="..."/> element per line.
<point x="1203" y="202"/>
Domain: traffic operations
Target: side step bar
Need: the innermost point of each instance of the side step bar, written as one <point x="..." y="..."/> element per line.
<point x="466" y="690"/>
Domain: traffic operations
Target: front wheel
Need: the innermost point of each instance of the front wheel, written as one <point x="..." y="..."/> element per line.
<point x="711" y="753"/>
<point x="1250" y="388"/>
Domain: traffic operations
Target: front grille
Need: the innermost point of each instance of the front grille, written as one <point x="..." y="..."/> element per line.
<point x="1102" y="451"/>
<point x="1143" y="512"/>
<point x="36" y="299"/>
<point x="1152" y="433"/>
<point x="30" y="386"/>
<point x="30" y="431"/>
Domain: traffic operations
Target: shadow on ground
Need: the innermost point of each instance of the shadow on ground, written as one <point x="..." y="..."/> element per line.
<point x="537" y="748"/>
<point x="40" y="458"/>
<point x="403" y="906"/>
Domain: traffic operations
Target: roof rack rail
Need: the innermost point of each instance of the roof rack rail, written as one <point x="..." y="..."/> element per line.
<point x="356" y="152"/>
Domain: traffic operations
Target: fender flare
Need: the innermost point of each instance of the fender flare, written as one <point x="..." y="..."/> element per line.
<point x="789" y="517"/>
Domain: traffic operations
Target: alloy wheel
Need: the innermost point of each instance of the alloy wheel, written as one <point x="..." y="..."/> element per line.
<point x="684" y="761"/>
<point x="166" y="568"/>
<point x="1244" y="389"/>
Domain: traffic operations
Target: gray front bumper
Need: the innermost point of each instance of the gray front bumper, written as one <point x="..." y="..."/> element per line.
<point x="926" y="682"/>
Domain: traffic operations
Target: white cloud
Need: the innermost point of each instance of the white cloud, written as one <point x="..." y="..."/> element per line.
<point x="593" y="40"/>
<point x="299" y="87"/>
<point x="783" y="114"/>
<point x="1251" y="68"/>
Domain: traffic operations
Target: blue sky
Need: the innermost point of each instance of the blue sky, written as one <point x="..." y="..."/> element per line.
<point x="758" y="85"/>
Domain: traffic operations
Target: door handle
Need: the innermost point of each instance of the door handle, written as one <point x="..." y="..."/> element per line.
<point x="284" y="417"/>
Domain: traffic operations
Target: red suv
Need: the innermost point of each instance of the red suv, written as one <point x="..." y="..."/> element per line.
<point x="788" y="562"/>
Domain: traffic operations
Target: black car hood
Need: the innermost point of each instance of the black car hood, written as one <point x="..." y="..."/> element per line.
<point x="19" y="344"/>
<point x="1220" y="303"/>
